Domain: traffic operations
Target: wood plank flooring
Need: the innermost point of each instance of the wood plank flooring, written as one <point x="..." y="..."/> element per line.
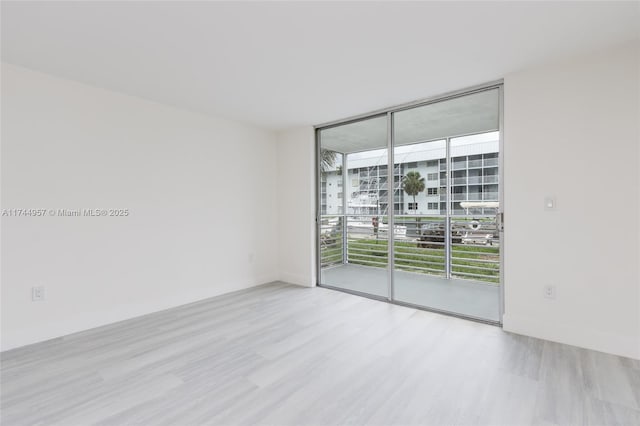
<point x="286" y="355"/>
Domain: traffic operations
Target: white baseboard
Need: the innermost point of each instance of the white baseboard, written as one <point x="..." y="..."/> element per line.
<point x="627" y="346"/>
<point x="297" y="279"/>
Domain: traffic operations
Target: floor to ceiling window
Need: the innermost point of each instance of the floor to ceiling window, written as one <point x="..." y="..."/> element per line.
<point x="409" y="202"/>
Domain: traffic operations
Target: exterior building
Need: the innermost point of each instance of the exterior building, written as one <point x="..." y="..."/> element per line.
<point x="474" y="177"/>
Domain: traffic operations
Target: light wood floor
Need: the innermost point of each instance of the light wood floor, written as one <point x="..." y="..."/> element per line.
<point x="286" y="355"/>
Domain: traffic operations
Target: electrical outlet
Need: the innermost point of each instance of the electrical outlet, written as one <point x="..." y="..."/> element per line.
<point x="550" y="292"/>
<point x="37" y="293"/>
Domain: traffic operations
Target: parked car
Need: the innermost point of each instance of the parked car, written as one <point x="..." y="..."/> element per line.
<point x="432" y="235"/>
<point x="473" y="232"/>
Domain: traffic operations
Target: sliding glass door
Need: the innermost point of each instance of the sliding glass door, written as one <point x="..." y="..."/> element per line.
<point x="354" y="209"/>
<point x="419" y="191"/>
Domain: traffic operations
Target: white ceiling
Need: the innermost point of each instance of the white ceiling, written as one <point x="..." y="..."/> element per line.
<point x="280" y="65"/>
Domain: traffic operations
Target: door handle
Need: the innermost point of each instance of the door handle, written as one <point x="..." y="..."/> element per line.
<point x="500" y="221"/>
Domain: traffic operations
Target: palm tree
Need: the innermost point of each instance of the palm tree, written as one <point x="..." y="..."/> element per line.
<point x="413" y="184"/>
<point x="327" y="159"/>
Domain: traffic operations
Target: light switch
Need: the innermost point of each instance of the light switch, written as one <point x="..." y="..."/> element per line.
<point x="549" y="203"/>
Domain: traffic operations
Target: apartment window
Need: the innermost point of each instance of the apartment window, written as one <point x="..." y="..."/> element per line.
<point x="432" y="206"/>
<point x="413" y="206"/>
<point x="432" y="176"/>
<point x="412" y="165"/>
<point x="432" y="191"/>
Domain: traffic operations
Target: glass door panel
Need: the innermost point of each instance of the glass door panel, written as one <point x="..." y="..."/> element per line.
<point x="354" y="236"/>
<point x="449" y="258"/>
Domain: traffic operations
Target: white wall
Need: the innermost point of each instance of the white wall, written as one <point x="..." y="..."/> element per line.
<point x="201" y="193"/>
<point x="297" y="206"/>
<point x="572" y="131"/>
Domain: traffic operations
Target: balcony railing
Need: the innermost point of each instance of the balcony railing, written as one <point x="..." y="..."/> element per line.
<point x="419" y="245"/>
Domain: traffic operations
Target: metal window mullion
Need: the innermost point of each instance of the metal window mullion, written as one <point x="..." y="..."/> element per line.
<point x="345" y="227"/>
<point x="501" y="196"/>
<point x="318" y="209"/>
<point x="414" y="104"/>
<point x="390" y="206"/>
<point x="447" y="220"/>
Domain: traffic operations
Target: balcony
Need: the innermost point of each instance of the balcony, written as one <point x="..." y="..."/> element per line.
<point x="419" y="268"/>
<point x="490" y="196"/>
<point x="490" y="162"/>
